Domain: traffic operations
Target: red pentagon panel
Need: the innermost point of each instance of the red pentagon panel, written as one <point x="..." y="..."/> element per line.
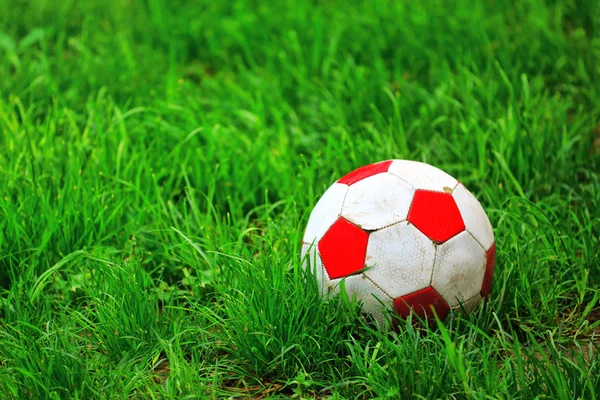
<point x="436" y="215"/>
<point x="343" y="249"/>
<point x="421" y="302"/>
<point x="365" y="172"/>
<point x="486" y="287"/>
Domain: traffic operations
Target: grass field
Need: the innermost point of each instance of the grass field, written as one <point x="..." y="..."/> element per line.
<point x="159" y="160"/>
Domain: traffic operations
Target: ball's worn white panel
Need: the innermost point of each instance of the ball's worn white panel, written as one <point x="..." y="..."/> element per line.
<point x="423" y="176"/>
<point x="475" y="218"/>
<point x="360" y="288"/>
<point x="459" y="268"/>
<point x="400" y="259"/>
<point x="468" y="306"/>
<point x="377" y="201"/>
<point x="326" y="211"/>
<point x="312" y="261"/>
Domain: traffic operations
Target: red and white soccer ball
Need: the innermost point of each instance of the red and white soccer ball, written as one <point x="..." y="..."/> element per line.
<point x="402" y="235"/>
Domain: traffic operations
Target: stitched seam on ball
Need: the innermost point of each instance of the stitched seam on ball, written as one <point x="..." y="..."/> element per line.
<point x="339" y="215"/>
<point x="378" y="287"/>
<point x="472" y="297"/>
<point x="323" y="264"/>
<point x="402" y="179"/>
<point x="461" y="216"/>
<point x="386" y="226"/>
<point x="466" y="228"/>
<point x="456" y="234"/>
<point x="475" y="239"/>
<point x="465" y="301"/>
<point x="330" y="226"/>
<point x="413" y="187"/>
<point x="435" y="257"/>
<point x="411" y="201"/>
<point x="343" y="201"/>
<point x="432" y="191"/>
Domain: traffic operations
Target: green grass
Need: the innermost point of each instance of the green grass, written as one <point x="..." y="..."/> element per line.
<point x="159" y="160"/>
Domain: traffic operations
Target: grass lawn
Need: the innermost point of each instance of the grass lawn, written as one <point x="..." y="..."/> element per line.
<point x="159" y="160"/>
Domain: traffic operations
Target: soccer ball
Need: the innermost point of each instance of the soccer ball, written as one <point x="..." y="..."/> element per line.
<point x="404" y="236"/>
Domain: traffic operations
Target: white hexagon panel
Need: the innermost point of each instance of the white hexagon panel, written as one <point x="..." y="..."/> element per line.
<point x="377" y="201"/>
<point x="459" y="268"/>
<point x="423" y="176"/>
<point x="400" y="259"/>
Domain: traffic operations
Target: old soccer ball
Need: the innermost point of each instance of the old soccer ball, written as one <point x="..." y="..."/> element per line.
<point x="401" y="235"/>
